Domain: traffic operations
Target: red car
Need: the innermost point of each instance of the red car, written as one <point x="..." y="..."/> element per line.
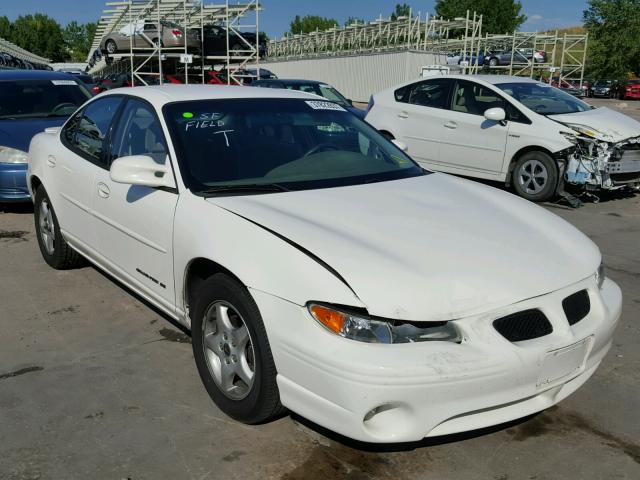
<point x="630" y="89"/>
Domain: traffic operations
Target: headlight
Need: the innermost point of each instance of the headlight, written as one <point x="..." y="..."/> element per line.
<point x="570" y="136"/>
<point x="589" y="132"/>
<point x="11" y="155"/>
<point x="362" y="328"/>
<point x="600" y="276"/>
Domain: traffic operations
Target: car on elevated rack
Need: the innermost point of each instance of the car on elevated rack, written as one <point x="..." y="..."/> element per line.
<point x="144" y="35"/>
<point x="318" y="267"/>
<point x="527" y="134"/>
<point x="30" y="102"/>
<point x="312" y="86"/>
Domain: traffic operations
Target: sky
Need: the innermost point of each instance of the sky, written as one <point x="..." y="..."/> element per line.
<point x="542" y="14"/>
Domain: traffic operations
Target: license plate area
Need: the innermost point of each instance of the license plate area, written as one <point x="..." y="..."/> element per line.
<point x="563" y="363"/>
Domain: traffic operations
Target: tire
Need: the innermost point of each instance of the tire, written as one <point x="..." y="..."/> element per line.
<point x="493" y="62"/>
<point x="154" y="42"/>
<point x="218" y="338"/>
<point x="234" y="51"/>
<point x="54" y="248"/>
<point x="541" y="186"/>
<point x="111" y="47"/>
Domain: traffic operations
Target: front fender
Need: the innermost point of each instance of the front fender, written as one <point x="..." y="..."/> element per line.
<point x="259" y="258"/>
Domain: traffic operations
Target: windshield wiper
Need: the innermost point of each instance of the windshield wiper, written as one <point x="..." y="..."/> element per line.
<point x="246" y="189"/>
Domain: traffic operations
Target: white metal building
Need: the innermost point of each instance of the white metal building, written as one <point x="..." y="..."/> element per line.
<point x="357" y="76"/>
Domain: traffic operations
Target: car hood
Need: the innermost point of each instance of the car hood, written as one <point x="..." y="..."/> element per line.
<point x="429" y="248"/>
<point x="612" y="126"/>
<point x="18" y="133"/>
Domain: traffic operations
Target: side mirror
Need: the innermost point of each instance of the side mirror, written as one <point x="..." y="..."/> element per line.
<point x="350" y="102"/>
<point x="141" y="170"/>
<point x="401" y="145"/>
<point x="495" y="114"/>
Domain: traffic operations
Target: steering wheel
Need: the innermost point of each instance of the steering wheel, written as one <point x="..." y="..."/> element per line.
<point x="63" y="105"/>
<point x="320" y="147"/>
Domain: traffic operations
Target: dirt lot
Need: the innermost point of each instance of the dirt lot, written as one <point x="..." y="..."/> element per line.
<point x="96" y="384"/>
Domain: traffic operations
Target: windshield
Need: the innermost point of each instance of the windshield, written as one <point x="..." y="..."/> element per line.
<point x="634" y="82"/>
<point x="295" y="143"/>
<point x="544" y="99"/>
<point x="602" y="83"/>
<point x="40" y="98"/>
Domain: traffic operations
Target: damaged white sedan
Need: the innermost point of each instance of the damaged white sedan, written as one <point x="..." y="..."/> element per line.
<point x="511" y="129"/>
<point x="318" y="267"/>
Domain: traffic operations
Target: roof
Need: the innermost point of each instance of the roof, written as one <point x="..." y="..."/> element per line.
<point x="163" y="94"/>
<point x="34" y="75"/>
<point x="495" y="79"/>
<point x="291" y="81"/>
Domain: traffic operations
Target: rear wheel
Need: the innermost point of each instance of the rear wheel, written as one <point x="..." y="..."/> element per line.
<point x="54" y="248"/>
<point x="236" y="50"/>
<point x="535" y="176"/>
<point x="232" y="352"/>
<point x="493" y="62"/>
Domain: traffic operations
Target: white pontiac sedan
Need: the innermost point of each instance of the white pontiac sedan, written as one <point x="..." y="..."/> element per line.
<point x="318" y="267"/>
<point x="510" y="129"/>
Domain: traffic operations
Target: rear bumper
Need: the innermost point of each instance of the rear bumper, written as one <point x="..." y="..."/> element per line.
<point x="13" y="182"/>
<point x="405" y="392"/>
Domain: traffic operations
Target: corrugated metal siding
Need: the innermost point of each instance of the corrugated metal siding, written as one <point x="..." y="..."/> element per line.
<point x="357" y="77"/>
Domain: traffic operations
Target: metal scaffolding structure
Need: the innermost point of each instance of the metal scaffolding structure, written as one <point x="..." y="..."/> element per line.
<point x="17" y="52"/>
<point x="460" y="37"/>
<point x="380" y="35"/>
<point x="565" y="54"/>
<point x="190" y="15"/>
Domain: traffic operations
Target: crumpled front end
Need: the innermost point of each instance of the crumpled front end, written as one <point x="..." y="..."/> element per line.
<point x="598" y="164"/>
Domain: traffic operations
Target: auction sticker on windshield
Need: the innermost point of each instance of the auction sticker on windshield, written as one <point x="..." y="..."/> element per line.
<point x="64" y="82"/>
<point x="320" y="105"/>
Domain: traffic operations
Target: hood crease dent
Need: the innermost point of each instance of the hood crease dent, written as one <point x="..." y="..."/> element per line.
<point x="428" y="248"/>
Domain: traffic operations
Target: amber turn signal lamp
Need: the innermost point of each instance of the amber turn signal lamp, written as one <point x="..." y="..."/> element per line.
<point x="331" y="319"/>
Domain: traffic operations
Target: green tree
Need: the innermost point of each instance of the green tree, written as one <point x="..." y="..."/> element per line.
<point x="311" y="23"/>
<point x="5" y="28"/>
<point x="77" y="39"/>
<point x="41" y="35"/>
<point x="498" y="16"/>
<point x="403" y="10"/>
<point x="351" y="20"/>
<point x="614" y="29"/>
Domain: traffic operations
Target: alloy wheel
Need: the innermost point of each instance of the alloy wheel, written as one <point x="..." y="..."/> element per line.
<point x="47" y="227"/>
<point x="533" y="176"/>
<point x="228" y="349"/>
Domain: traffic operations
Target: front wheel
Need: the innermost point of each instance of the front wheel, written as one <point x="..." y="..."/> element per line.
<point x="232" y="351"/>
<point x="54" y="248"/>
<point x="111" y="47"/>
<point x="493" y="62"/>
<point x="535" y="176"/>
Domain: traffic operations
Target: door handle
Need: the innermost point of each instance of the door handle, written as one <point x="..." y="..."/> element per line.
<point x="451" y="125"/>
<point x="103" y="190"/>
<point x="403" y="115"/>
<point x="51" y="161"/>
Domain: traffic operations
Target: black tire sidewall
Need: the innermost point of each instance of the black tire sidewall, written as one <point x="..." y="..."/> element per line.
<point x="552" y="176"/>
<point x="252" y="408"/>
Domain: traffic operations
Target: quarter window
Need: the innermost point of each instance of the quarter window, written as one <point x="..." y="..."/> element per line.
<point x="86" y="131"/>
<point x="139" y="133"/>
<point x="432" y="93"/>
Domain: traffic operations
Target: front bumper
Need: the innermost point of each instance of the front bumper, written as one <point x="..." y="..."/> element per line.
<point x="405" y="392"/>
<point x="13" y="182"/>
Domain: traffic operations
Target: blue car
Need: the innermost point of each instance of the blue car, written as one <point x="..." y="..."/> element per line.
<point x="30" y="101"/>
<point x="315" y="87"/>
